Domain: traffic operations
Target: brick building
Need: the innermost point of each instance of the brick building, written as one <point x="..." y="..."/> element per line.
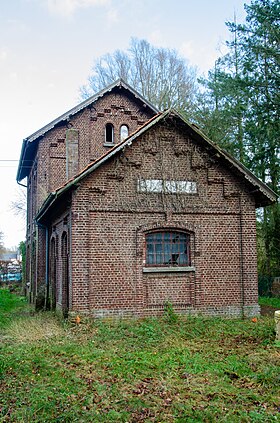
<point x="129" y="209"/>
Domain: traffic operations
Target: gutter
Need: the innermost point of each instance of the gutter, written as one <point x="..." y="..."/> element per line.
<point x="48" y="202"/>
<point x="22" y="153"/>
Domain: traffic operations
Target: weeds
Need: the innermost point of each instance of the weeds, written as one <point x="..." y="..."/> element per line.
<point x="169" y="313"/>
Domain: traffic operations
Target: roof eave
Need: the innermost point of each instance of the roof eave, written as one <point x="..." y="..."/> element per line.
<point x="22" y="153"/>
<point x="264" y="189"/>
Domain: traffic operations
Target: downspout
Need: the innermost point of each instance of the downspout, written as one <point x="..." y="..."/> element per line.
<point x="47" y="262"/>
<point x="241" y="259"/>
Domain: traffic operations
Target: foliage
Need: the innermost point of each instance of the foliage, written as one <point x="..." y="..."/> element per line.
<point x="195" y="369"/>
<point x="241" y="111"/>
<point x="169" y="313"/>
<point x="265" y="285"/>
<point x="159" y="74"/>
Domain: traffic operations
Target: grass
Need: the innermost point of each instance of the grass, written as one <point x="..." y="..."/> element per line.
<point x="10" y="304"/>
<point x="149" y="370"/>
<point x="269" y="301"/>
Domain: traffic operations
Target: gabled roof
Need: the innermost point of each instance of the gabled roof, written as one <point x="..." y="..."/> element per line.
<point x="26" y="156"/>
<point x="262" y="193"/>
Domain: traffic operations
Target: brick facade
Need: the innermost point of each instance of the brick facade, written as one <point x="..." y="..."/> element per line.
<point x="93" y="233"/>
<point x="110" y="220"/>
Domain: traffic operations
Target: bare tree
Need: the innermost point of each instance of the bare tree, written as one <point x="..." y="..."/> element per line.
<point x="18" y="206"/>
<point x="159" y="74"/>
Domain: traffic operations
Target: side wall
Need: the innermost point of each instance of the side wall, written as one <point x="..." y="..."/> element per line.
<point x="85" y="134"/>
<point x="59" y="275"/>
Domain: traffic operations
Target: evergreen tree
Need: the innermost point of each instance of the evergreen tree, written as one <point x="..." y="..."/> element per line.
<point x="241" y="110"/>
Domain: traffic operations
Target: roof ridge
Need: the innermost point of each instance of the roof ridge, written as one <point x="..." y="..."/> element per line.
<point x="85" y="103"/>
<point x="71" y="112"/>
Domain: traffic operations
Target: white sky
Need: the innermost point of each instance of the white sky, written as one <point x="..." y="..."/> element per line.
<point x="47" y="48"/>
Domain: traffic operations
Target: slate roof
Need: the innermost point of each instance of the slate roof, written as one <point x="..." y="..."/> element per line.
<point x="28" y="150"/>
<point x="262" y="193"/>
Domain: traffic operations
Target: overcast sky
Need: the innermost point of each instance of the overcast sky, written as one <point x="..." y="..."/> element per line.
<point x="47" y="48"/>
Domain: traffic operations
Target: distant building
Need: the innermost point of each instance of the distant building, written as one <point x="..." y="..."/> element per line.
<point x="10" y="266"/>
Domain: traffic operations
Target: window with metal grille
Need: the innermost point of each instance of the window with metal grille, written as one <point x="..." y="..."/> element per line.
<point x="167" y="248"/>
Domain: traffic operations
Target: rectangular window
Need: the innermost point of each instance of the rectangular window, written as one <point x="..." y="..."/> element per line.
<point x="168" y="248"/>
<point x="169" y="187"/>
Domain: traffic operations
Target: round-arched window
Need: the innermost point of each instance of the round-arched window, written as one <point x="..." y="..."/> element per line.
<point x="123" y="132"/>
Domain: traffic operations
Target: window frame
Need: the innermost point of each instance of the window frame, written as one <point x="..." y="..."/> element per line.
<point x="164" y="246"/>
<point x="124" y="125"/>
<point x="112" y="137"/>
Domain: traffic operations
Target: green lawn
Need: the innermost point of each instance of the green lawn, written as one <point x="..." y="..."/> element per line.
<point x="149" y="370"/>
<point x="268" y="301"/>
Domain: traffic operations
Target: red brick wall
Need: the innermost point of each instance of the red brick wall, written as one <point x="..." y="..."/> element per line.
<point x="110" y="219"/>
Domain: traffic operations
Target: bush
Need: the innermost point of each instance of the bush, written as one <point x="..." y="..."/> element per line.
<point x="265" y="285"/>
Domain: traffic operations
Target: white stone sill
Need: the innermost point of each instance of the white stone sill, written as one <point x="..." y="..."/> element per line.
<point x="168" y="269"/>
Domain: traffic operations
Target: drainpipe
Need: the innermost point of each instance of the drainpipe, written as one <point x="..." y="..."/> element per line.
<point x="241" y="259"/>
<point x="47" y="261"/>
<point x="70" y="260"/>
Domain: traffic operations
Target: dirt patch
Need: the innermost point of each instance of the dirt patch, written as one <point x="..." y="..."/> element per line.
<point x="268" y="311"/>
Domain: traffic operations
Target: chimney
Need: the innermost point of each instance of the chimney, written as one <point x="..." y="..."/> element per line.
<point x="72" y="153"/>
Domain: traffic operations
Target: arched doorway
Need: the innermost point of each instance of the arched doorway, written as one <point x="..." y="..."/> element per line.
<point x="65" y="274"/>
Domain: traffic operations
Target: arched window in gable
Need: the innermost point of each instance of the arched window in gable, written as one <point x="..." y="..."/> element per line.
<point x="123" y="132"/>
<point x="109" y="133"/>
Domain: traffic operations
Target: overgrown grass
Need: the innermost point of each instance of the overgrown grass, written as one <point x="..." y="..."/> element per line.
<point x="150" y="370"/>
<point x="270" y="301"/>
<point x="9" y="305"/>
